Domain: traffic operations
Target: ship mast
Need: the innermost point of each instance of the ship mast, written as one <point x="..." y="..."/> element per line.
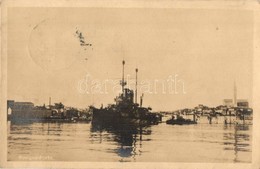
<point x="136" y="70"/>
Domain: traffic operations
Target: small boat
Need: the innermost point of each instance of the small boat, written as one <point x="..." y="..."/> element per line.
<point x="180" y="121"/>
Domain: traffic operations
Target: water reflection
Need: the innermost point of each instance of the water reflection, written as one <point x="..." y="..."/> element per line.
<point x="129" y="142"/>
<point x="238" y="140"/>
<point x="128" y="136"/>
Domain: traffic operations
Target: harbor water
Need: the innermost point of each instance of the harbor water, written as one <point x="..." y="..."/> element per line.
<point x="158" y="143"/>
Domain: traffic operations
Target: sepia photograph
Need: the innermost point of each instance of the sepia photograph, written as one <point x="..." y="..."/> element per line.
<point x="129" y="85"/>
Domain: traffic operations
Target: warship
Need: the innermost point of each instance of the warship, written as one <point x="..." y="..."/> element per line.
<point x="125" y="110"/>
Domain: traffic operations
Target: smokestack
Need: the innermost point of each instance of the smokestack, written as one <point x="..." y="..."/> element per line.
<point x="235" y="94"/>
<point x="141" y="100"/>
<point x="136" y="70"/>
<point x="123" y="78"/>
<point x="49" y="101"/>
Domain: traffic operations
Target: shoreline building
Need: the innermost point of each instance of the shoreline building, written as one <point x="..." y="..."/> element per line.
<point x="228" y="102"/>
<point x="241" y="103"/>
<point x="20" y="111"/>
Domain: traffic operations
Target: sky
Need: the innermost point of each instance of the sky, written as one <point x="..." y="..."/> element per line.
<point x="184" y="57"/>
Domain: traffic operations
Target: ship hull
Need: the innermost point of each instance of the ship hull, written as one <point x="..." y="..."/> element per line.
<point x="180" y="122"/>
<point x="115" y="118"/>
<point x="29" y="115"/>
<point x="34" y="115"/>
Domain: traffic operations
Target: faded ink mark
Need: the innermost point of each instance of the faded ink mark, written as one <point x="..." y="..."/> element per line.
<point x="38" y="24"/>
<point x="82" y="41"/>
<point x="41" y="48"/>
